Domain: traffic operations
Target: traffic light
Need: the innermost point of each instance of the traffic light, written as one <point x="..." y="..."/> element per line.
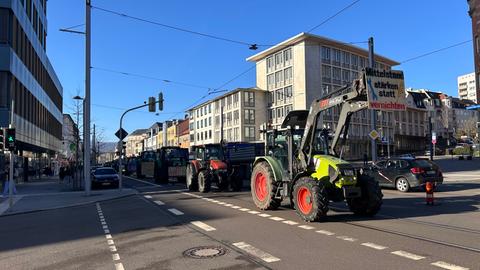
<point x="10" y="139"/>
<point x="160" y="101"/>
<point x="124" y="145"/>
<point x="151" y="104"/>
<point x="2" y="139"/>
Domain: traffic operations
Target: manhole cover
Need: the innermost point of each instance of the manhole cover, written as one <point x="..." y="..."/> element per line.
<point x="205" y="252"/>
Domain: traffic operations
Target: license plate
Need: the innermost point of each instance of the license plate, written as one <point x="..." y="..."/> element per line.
<point x="431" y="172"/>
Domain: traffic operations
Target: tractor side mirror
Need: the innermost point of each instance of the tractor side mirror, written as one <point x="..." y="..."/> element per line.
<point x="332" y="174"/>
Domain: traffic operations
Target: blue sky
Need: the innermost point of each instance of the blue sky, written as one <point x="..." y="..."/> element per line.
<point x="401" y="29"/>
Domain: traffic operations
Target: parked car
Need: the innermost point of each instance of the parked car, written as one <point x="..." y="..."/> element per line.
<point x="405" y="173"/>
<point x="105" y="176"/>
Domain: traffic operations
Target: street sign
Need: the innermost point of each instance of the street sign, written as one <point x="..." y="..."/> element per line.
<point x="121" y="134"/>
<point x="385" y="89"/>
<point x="374" y="134"/>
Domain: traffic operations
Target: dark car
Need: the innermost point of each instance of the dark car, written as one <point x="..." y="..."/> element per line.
<point x="104" y="176"/>
<point x="405" y="173"/>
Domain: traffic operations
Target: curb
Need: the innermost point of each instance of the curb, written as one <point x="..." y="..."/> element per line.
<point x="66" y="206"/>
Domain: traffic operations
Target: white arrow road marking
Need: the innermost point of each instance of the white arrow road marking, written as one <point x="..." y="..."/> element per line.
<point x="256" y="252"/>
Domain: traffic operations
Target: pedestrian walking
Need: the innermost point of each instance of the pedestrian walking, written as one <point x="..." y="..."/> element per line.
<point x="365" y="159"/>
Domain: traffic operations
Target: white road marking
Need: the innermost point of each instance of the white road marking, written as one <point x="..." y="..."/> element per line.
<point x="265" y="215"/>
<point x="290" y="222"/>
<point x="113" y="248"/>
<point x="256" y="252"/>
<point x="175" y="211"/>
<point x="448" y="266"/>
<point x="104" y="227"/>
<point x="347" y="238"/>
<point x="110" y="242"/>
<point x="374" y="246"/>
<point x="244" y="209"/>
<point x="325" y="232"/>
<point x="235" y="207"/>
<point x="407" y="255"/>
<point x="106" y="231"/>
<point x="108" y="236"/>
<point x="103" y="223"/>
<point x="306" y="227"/>
<point x="148" y="197"/>
<point x="116" y="257"/>
<point x="222" y="203"/>
<point x="253" y="212"/>
<point x="215" y="201"/>
<point x="228" y="205"/>
<point x="159" y="203"/>
<point x="277" y="218"/>
<point x="203" y="226"/>
<point x="119" y="266"/>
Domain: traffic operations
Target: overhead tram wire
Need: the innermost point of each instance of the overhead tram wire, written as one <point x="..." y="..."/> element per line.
<point x="150" y="78"/>
<point x="252" y="46"/>
<point x="334" y="15"/>
<point x="433" y="52"/>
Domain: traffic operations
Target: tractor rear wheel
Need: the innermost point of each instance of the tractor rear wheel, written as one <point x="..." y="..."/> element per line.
<point x="310" y="199"/>
<point x="191" y="179"/>
<point x="369" y="203"/>
<point x="204" y="181"/>
<point x="264" y="187"/>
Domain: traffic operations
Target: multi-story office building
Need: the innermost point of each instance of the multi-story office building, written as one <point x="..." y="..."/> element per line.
<point x="305" y="67"/>
<point x="467" y="88"/>
<point x="134" y="142"/>
<point x="233" y="117"/>
<point x="474" y="12"/>
<point x="27" y="79"/>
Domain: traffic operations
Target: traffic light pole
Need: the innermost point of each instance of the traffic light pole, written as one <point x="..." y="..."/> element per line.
<point x="12" y="164"/>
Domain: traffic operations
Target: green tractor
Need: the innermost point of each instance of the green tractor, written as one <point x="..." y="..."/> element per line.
<point x="301" y="164"/>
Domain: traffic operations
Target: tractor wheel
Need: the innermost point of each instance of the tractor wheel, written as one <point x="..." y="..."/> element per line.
<point x="264" y="187"/>
<point x="310" y="199"/>
<point x="191" y="179"/>
<point x="371" y="199"/>
<point x="204" y="181"/>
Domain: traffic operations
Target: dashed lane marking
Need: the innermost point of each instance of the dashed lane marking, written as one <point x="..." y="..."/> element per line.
<point x="228" y="205"/>
<point x="235" y="207"/>
<point x="148" y="196"/>
<point x="264" y="215"/>
<point x="253" y="212"/>
<point x="256" y="252"/>
<point x="306" y="227"/>
<point x="325" y="232"/>
<point x="374" y="246"/>
<point x="108" y="236"/>
<point x="113" y="248"/>
<point x="347" y="238"/>
<point x="277" y="218"/>
<point x="175" y="211"/>
<point x="448" y="266"/>
<point x="203" y="226"/>
<point x="244" y="209"/>
<point x="408" y="255"/>
<point x="159" y="202"/>
<point x="115" y="257"/>
<point x="290" y="222"/>
<point x="119" y="266"/>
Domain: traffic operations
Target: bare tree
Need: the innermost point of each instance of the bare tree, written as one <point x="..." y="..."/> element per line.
<point x="467" y="128"/>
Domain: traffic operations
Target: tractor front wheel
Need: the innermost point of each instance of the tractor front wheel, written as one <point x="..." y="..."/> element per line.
<point x="369" y="203"/>
<point x="310" y="199"/>
<point x="264" y="187"/>
<point x="204" y="181"/>
<point x="191" y="179"/>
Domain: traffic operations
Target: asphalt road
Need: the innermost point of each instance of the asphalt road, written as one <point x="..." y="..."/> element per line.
<point x="154" y="229"/>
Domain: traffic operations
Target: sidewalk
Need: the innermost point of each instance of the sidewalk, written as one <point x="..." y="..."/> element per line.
<point x="50" y="193"/>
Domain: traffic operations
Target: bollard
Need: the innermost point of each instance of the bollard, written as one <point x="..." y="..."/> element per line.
<point x="429" y="188"/>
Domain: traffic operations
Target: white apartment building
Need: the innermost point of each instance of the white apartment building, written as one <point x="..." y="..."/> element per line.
<point x="151" y="140"/>
<point x="134" y="142"/>
<point x="234" y="117"/>
<point x="306" y="67"/>
<point x="467" y="88"/>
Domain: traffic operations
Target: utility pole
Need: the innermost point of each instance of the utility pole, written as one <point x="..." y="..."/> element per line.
<point x="373" y="113"/>
<point x="86" y="111"/>
<point x="12" y="163"/>
<point x="430" y="136"/>
<point x="94" y="146"/>
<point x="77" y="145"/>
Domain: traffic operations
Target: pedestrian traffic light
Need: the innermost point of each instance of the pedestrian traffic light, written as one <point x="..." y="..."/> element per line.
<point x="2" y="139"/>
<point x="151" y="104"/>
<point x="160" y="101"/>
<point x="10" y="139"/>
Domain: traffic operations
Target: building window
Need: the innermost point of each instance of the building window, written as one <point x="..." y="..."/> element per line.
<point x="235" y="100"/>
<point x="326" y="54"/>
<point x="288" y="93"/>
<point x="287" y="55"/>
<point x="249" y="99"/>
<point x="337" y="75"/>
<point x="249" y="117"/>
<point x="326" y="72"/>
<point x="198" y="136"/>
<point x="288" y="109"/>
<point x="337" y="57"/>
<point x="210" y="121"/>
<point x="210" y="134"/>
<point x="235" y="117"/>
<point x="354" y="61"/>
<point x="280" y="113"/>
<point x="325" y="89"/>
<point x="271" y="81"/>
<point x="270" y="64"/>
<point x="235" y="134"/>
<point x="279" y="94"/>
<point x="346" y="59"/>
<point x="288" y="75"/>
<point x="278" y="78"/>
<point x="249" y="133"/>
<point x="209" y="108"/>
<point x="270" y="114"/>
<point x="345" y="76"/>
<point x="363" y="63"/>
<point x="278" y="60"/>
<point x="271" y="98"/>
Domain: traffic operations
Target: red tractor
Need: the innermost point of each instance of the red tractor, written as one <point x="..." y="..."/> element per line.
<point x="207" y="164"/>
